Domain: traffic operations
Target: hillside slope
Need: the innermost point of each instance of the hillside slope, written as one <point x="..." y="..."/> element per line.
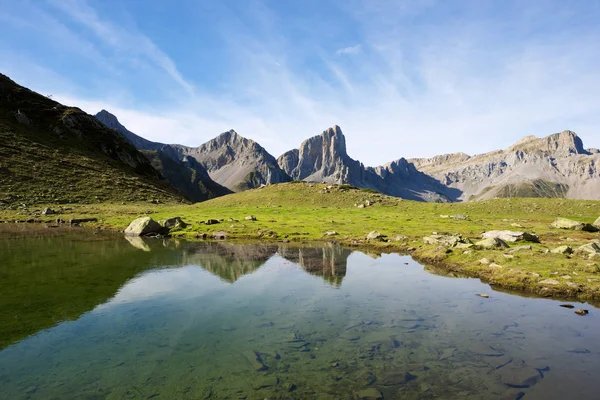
<point x="182" y="172"/>
<point x="554" y="166"/>
<point x="53" y="153"/>
<point x="230" y="160"/>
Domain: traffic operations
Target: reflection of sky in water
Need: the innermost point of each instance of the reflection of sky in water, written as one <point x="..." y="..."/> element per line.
<point x="184" y="326"/>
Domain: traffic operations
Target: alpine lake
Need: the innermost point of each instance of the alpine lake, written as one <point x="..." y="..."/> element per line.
<point x="92" y="315"/>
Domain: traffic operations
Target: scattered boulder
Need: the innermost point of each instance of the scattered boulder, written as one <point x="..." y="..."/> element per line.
<point x="519" y="248"/>
<point x="492" y="243"/>
<point x="143" y="226"/>
<point x="202" y="236"/>
<point x="596" y="223"/>
<point x="400" y="238"/>
<point x="173" y="223"/>
<point x="461" y="217"/>
<point x="582" y="312"/>
<point x="374" y="235"/>
<point x="564" y="223"/>
<point x="220" y="235"/>
<point x="331" y="233"/>
<point x="552" y="282"/>
<point x="48" y="211"/>
<point x="447" y="240"/>
<point x="562" y="250"/>
<point x="484" y="261"/>
<point x="250" y="218"/>
<point x="511" y="236"/>
<point x="591" y="249"/>
<point x="212" y="222"/>
<point x="497" y="266"/>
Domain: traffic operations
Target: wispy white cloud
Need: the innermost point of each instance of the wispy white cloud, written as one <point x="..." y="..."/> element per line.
<point x="349" y="50"/>
<point x="418" y="84"/>
<point x="131" y="42"/>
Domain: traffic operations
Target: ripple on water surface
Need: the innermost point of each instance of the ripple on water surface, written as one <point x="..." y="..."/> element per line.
<point x="256" y="321"/>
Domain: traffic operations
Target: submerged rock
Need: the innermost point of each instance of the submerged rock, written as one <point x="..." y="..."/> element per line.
<point x="143" y="226"/>
<point x="520" y="377"/>
<point x="582" y="312"/>
<point x="511" y="236"/>
<point x="368" y="394"/>
<point x="485" y="296"/>
<point x="255" y="360"/>
<point x="264" y="382"/>
<point x="564" y="223"/>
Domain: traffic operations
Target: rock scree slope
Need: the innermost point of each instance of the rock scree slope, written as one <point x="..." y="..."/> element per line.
<point x="554" y="166"/>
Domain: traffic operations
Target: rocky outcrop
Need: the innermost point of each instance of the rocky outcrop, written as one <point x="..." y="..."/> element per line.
<point x="323" y="158"/>
<point x="230" y="160"/>
<point x="554" y="166"/>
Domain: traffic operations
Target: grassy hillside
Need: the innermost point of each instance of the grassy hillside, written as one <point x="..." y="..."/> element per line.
<point x="303" y="212"/>
<point x="53" y="153"/>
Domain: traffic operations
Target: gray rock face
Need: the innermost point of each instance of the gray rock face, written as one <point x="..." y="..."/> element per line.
<point x="236" y="162"/>
<point x="323" y="158"/>
<point x="553" y="166"/>
<point x="184" y="173"/>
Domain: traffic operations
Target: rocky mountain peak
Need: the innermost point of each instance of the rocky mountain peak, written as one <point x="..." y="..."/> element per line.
<point x="108" y="119"/>
<point x="558" y="144"/>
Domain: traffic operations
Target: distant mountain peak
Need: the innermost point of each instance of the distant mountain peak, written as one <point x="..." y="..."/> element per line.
<point x="561" y="144"/>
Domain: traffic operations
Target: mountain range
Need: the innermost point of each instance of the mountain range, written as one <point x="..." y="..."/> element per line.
<point x="40" y="132"/>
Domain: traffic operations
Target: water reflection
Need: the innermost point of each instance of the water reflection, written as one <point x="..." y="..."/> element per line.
<point x="231" y="321"/>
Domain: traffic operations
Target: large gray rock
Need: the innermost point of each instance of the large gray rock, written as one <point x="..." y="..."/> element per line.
<point x="173" y="223"/>
<point x="597" y="223"/>
<point x="446" y="240"/>
<point x="374" y="235"/>
<point x="562" y="250"/>
<point x="565" y="223"/>
<point x="143" y="226"/>
<point x="590" y="249"/>
<point x="511" y="236"/>
<point x="492" y="243"/>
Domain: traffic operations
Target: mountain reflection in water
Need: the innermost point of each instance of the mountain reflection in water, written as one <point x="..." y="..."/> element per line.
<point x="98" y="316"/>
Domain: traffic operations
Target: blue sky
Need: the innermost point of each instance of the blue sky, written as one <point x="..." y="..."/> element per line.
<point x="402" y="78"/>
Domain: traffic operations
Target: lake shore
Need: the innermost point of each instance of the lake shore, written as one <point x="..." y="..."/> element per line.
<point x="303" y="212"/>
